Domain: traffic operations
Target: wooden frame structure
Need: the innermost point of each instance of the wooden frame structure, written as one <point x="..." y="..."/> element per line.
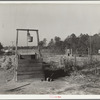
<point x="16" y="53"/>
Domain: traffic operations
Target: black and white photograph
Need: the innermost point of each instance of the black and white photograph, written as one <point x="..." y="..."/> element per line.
<point x="50" y="48"/>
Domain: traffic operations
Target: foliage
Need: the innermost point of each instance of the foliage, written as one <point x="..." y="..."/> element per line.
<point x="56" y="45"/>
<point x="51" y="44"/>
<point x="79" y="44"/>
<point x="42" y="43"/>
<point x="1" y="47"/>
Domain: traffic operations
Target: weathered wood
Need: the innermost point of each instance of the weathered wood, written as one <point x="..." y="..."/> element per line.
<point x="22" y="67"/>
<point x="14" y="89"/>
<point x="23" y="77"/>
<point x="30" y="72"/>
<point x="38" y="43"/>
<point x="29" y="69"/>
<point x="26" y="29"/>
<point x="28" y="66"/>
<point x="15" y="70"/>
<point x="29" y="61"/>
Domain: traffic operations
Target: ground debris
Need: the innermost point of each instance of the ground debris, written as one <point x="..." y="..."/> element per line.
<point x="17" y="88"/>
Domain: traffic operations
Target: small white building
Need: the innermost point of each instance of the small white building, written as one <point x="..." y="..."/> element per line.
<point x="68" y="52"/>
<point x="99" y="51"/>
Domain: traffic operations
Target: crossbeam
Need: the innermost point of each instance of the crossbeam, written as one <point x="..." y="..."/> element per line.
<point x="26" y="29"/>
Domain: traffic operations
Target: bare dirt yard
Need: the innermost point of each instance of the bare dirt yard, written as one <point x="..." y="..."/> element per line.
<point x="76" y="84"/>
<point x="73" y="85"/>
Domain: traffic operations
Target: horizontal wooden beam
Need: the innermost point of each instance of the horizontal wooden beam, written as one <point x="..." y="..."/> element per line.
<point x="26" y="29"/>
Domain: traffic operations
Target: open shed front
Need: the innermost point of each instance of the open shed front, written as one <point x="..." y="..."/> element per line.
<point x="29" y="66"/>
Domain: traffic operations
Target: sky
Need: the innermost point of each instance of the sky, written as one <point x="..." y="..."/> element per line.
<point x="50" y="19"/>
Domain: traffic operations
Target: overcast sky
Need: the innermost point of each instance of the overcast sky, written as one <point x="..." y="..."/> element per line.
<point x="50" y="19"/>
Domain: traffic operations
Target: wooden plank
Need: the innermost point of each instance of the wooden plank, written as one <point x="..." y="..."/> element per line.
<point x="29" y="61"/>
<point x="29" y="68"/>
<point x="29" y="65"/>
<point x="39" y="64"/>
<point x="21" y="77"/>
<point x="26" y="29"/>
<point x="31" y="72"/>
<point x="30" y="75"/>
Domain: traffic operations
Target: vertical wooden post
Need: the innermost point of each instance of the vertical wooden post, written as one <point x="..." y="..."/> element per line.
<point x="38" y="43"/>
<point x="27" y="40"/>
<point x="75" y="57"/>
<point x="15" y="69"/>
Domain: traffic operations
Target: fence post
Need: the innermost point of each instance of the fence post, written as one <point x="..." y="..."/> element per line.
<point x="75" y="60"/>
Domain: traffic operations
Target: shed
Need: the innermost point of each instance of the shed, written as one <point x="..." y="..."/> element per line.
<point x="28" y="64"/>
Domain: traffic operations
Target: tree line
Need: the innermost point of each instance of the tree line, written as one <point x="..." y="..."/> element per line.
<point x="79" y="44"/>
<point x="82" y="44"/>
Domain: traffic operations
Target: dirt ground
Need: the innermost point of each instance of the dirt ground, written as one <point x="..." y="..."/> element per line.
<point x="69" y="85"/>
<point x="76" y="84"/>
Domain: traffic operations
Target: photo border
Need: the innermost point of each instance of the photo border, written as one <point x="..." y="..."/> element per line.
<point x="71" y="97"/>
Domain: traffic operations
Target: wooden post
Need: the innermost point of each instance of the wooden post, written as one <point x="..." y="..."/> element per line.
<point x="15" y="69"/>
<point x="16" y="42"/>
<point x="75" y="56"/>
<point x="27" y="40"/>
<point x="38" y="43"/>
<point x="75" y="60"/>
